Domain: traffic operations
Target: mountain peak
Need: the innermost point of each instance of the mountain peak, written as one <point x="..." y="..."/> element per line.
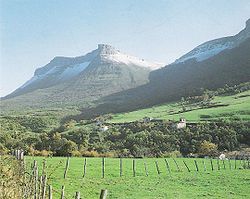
<point x="61" y="70"/>
<point x="248" y="24"/>
<point x="106" y="49"/>
<point x="110" y="54"/>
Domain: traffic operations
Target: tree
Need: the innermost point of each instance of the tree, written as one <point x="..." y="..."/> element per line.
<point x="183" y="104"/>
<point x="208" y="148"/>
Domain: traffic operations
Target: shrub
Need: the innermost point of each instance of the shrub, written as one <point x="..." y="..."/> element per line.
<point x="3" y="150"/>
<point x="108" y="154"/>
<point x="12" y="181"/>
<point x="90" y="154"/>
<point x="76" y="153"/>
<point x="172" y="154"/>
<point x="45" y="153"/>
<point x="208" y="149"/>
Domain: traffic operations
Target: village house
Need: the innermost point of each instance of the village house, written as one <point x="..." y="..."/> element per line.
<point x="147" y="119"/>
<point x="181" y="124"/>
<point x="104" y="128"/>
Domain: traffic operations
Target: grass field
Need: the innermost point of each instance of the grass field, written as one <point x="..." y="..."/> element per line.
<point x="224" y="183"/>
<point x="230" y="106"/>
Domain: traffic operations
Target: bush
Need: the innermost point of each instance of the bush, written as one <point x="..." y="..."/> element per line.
<point x="172" y="154"/>
<point x="46" y="153"/>
<point x="76" y="153"/>
<point x="208" y="149"/>
<point x="12" y="181"/>
<point x="3" y="150"/>
<point x="90" y="154"/>
<point x="108" y="155"/>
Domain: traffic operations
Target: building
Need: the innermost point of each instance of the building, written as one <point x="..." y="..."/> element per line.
<point x="104" y="128"/>
<point x="147" y="119"/>
<point x="181" y="124"/>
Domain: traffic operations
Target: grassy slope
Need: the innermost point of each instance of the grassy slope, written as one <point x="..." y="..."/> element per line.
<point x="237" y="105"/>
<point x="53" y="115"/>
<point x="224" y="183"/>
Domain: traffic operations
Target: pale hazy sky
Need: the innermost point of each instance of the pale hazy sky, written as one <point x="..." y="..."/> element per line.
<point x="35" y="31"/>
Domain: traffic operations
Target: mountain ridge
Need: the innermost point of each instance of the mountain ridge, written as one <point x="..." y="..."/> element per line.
<point x="215" y="46"/>
<point x="62" y="69"/>
<point x="80" y="80"/>
<point x="170" y="83"/>
<point x="111" y="81"/>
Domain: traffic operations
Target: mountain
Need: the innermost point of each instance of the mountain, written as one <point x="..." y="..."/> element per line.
<point x="80" y="80"/>
<point x="106" y="80"/>
<point x="185" y="78"/>
<point x="214" y="47"/>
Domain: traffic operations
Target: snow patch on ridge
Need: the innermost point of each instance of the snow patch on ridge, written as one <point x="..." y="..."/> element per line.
<point x="206" y="51"/>
<point x="74" y="70"/>
<point x="63" y="68"/>
<point x="131" y="60"/>
<point x="67" y="73"/>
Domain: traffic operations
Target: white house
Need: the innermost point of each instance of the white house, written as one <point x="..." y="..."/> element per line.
<point x="222" y="157"/>
<point x="181" y="124"/>
<point x="104" y="128"/>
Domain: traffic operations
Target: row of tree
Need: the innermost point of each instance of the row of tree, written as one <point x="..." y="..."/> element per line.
<point x="153" y="139"/>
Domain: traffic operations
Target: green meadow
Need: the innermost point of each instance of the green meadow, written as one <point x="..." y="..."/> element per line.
<point x="224" y="181"/>
<point x="233" y="106"/>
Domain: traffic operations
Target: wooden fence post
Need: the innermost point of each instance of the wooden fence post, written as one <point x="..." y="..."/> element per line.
<point x="62" y="192"/>
<point x="44" y="187"/>
<point x="35" y="179"/>
<point x="104" y="193"/>
<point x="186" y="166"/>
<point x="241" y="162"/>
<point x="218" y="164"/>
<point x="133" y="166"/>
<point x="244" y="162"/>
<point x="196" y="165"/>
<point x="235" y="163"/>
<point x="204" y="165"/>
<point x="84" y="167"/>
<point x="168" y="166"/>
<point x="40" y="187"/>
<point x="120" y="167"/>
<point x="77" y="195"/>
<point x="146" y="168"/>
<point x="50" y="192"/>
<point x="178" y="168"/>
<point x="21" y="155"/>
<point x="44" y="167"/>
<point x="103" y="167"/>
<point x="66" y="168"/>
<point x="157" y="167"/>
<point x="15" y="153"/>
<point x="212" y="166"/>
<point x="229" y="161"/>
<point x="224" y="166"/>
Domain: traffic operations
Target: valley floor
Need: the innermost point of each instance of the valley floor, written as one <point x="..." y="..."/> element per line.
<point x="224" y="183"/>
